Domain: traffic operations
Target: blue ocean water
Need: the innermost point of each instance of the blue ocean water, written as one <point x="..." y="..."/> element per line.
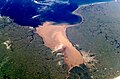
<point x="36" y="12"/>
<point x="82" y="2"/>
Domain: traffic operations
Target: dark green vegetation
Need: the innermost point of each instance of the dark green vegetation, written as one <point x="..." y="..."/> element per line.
<point x="27" y="58"/>
<point x="100" y="33"/>
<point x="81" y="72"/>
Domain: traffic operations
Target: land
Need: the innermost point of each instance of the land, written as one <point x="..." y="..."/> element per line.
<point x="54" y="37"/>
<point x="28" y="58"/>
<point x="99" y="34"/>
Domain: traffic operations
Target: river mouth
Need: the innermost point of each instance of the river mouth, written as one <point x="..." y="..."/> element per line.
<point x="102" y="40"/>
<point x="55" y="38"/>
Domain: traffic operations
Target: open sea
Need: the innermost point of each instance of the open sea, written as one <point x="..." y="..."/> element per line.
<point x="36" y="12"/>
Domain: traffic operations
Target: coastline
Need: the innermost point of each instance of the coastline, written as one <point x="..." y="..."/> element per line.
<point x="38" y="53"/>
<point x="50" y="37"/>
<point x="55" y="38"/>
<point x="101" y="24"/>
<point x="84" y="5"/>
<point x="96" y="3"/>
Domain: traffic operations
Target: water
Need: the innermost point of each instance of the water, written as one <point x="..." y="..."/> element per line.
<point x="34" y="13"/>
<point x="82" y="2"/>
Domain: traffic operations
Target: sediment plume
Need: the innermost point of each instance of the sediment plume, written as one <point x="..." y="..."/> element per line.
<point x="54" y="37"/>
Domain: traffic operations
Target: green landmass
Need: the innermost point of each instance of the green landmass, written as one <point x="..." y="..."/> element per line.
<point x="99" y="33"/>
<point x="27" y="57"/>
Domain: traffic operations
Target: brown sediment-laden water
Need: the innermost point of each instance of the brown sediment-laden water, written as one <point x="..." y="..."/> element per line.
<point x="54" y="37"/>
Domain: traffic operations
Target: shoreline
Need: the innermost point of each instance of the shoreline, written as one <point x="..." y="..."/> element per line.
<point x="56" y="39"/>
<point x="96" y="3"/>
<point x="84" y="5"/>
<point x="74" y="12"/>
